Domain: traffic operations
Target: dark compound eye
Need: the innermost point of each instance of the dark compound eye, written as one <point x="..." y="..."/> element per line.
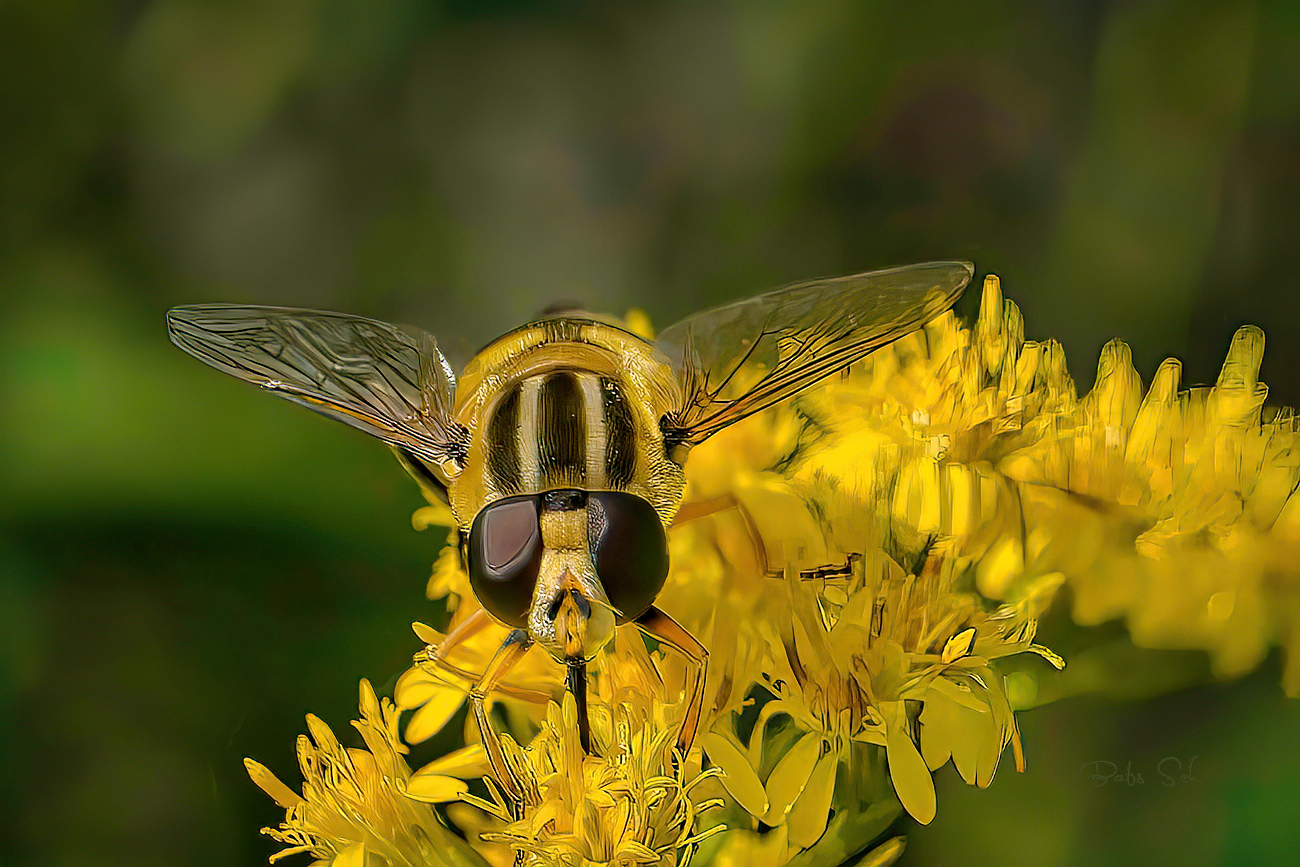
<point x="629" y="548"/>
<point x="505" y="552"/>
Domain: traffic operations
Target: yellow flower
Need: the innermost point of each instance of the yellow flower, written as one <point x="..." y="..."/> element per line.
<point x="449" y="579"/>
<point x="1202" y="486"/>
<point x="881" y="658"/>
<point x="361" y="807"/>
<point x="627" y="804"/>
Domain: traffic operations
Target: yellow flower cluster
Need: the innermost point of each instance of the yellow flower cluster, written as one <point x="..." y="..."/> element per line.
<point x="856" y="563"/>
<point x="1176" y="510"/>
<point x="362" y="807"/>
<point x="626" y="804"/>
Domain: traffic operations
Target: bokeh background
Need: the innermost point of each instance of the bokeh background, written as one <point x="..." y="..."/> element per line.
<point x="188" y="566"/>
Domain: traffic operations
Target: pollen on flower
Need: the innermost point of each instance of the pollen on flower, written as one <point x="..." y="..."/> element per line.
<point x="629" y="803"/>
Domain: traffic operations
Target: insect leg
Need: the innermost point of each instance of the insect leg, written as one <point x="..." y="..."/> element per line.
<point x="507" y="656"/>
<point x="434" y="657"/>
<point x="670" y="633"/>
<point x="703" y="508"/>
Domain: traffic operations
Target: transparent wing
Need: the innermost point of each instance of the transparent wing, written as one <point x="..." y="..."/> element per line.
<point x="735" y="360"/>
<point x="387" y="380"/>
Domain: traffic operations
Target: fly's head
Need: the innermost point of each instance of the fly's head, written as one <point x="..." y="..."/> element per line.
<point x="570" y="615"/>
<point x="568" y="565"/>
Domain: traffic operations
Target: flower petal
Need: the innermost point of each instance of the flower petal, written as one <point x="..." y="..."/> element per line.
<point x="437" y="710"/>
<point x="352" y="856"/>
<point x="433" y="515"/>
<point x="807" y="818"/>
<point x="466" y="763"/>
<point x="270" y="783"/>
<point x="790" y="777"/>
<point x="958" y="646"/>
<point x="415" y="687"/>
<point x="435" y="788"/>
<point x="883" y="855"/>
<point x="739" y="777"/>
<point x="912" y="780"/>
<point x="427" y="633"/>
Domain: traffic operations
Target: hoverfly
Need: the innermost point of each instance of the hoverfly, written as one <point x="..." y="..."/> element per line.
<point x="561" y="449"/>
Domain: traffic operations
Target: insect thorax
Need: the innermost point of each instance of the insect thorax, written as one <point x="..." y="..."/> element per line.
<point x="566" y="403"/>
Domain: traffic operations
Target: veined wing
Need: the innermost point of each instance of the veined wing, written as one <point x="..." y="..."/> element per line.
<point x="387" y="380"/>
<point x="794" y="337"/>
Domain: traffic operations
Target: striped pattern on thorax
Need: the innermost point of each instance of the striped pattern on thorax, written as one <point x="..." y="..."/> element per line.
<point x="563" y="429"/>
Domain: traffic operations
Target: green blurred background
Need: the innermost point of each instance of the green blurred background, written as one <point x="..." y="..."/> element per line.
<point x="188" y="566"/>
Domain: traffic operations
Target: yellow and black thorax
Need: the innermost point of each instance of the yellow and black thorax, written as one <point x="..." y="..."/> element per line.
<point x="566" y="403"/>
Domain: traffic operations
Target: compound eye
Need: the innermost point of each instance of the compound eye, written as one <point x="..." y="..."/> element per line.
<point x="629" y="549"/>
<point x="505" y="552"/>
